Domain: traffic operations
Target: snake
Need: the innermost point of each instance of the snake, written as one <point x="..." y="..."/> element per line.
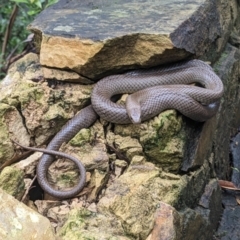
<point x="151" y="91"/>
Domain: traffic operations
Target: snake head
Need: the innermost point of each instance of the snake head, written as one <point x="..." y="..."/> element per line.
<point x="135" y="115"/>
<point x="133" y="109"/>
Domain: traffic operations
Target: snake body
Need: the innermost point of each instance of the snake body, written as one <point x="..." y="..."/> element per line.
<point x="154" y="90"/>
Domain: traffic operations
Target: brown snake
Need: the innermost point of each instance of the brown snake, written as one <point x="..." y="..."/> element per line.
<point x="156" y="89"/>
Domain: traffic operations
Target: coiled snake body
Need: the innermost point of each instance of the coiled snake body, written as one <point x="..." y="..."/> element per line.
<point x="154" y="90"/>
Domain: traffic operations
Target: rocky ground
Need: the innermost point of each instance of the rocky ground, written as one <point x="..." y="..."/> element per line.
<point x="159" y="178"/>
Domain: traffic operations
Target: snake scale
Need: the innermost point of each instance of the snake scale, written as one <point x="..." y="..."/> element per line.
<point x="152" y="91"/>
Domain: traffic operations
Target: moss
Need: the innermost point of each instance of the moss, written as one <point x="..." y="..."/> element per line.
<point x="6" y="149"/>
<point x="77" y="220"/>
<point x="81" y="138"/>
<point x="55" y="112"/>
<point x="11" y="180"/>
<point x="83" y="224"/>
<point x="24" y="92"/>
<point x="165" y="145"/>
<point x="67" y="179"/>
<point x="30" y="92"/>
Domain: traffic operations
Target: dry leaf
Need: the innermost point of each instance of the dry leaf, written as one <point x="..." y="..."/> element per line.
<point x="228" y="185"/>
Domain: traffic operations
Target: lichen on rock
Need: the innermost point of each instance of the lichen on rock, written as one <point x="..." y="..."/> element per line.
<point x="84" y="224"/>
<point x="6" y="148"/>
<point x="161" y="138"/>
<point x="11" y="180"/>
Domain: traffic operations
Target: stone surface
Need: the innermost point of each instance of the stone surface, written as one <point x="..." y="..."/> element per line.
<point x="162" y="31"/>
<point x="62" y="75"/>
<point x="29" y="164"/>
<point x="7" y="150"/>
<point x="11" y="181"/>
<point x="204" y="216"/>
<point x="167" y="224"/>
<point x="161" y="138"/>
<point x="98" y="181"/>
<point x="229" y="225"/>
<point x="79" y="226"/>
<point x="159" y="176"/>
<point x="88" y="145"/>
<point x="228" y="117"/>
<point x="207" y="31"/>
<point x="41" y="109"/>
<point x="20" y="222"/>
<point x="235" y="154"/>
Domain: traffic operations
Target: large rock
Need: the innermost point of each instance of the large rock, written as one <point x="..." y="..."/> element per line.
<point x="229" y="115"/>
<point x="20" y="222"/>
<point x="86" y="36"/>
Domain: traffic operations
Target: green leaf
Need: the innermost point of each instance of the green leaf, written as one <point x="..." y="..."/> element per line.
<point x="51" y="2"/>
<point x="38" y="4"/>
<point x="20" y="1"/>
<point x="33" y="12"/>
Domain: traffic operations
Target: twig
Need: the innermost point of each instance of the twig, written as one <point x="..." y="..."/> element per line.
<point x="9" y="28"/>
<point x="27" y="190"/>
<point x="118" y="153"/>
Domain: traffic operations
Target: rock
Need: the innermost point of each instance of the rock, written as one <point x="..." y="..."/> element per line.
<point x="84" y="224"/>
<point x="62" y="75"/>
<point x="209" y="205"/>
<point x="161" y="138"/>
<point x="88" y="145"/>
<point x="125" y="147"/>
<point x="235" y="150"/>
<point x="7" y="149"/>
<point x="229" y="114"/>
<point x="41" y="106"/>
<point x="228" y="227"/>
<point x="205" y="215"/>
<point x="119" y="167"/>
<point x="59" y="214"/>
<point x="44" y="206"/>
<point x="98" y="181"/>
<point x="170" y="224"/>
<point x="29" y="164"/>
<point x="163" y="31"/>
<point x="234" y="39"/>
<point x="128" y="198"/>
<point x="92" y="207"/>
<point x="13" y="120"/>
<point x="167" y="223"/>
<point x="20" y="222"/>
<point x="209" y="39"/>
<point x="11" y="180"/>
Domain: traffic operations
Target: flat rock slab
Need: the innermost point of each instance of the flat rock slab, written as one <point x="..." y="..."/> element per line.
<point x="92" y="19"/>
<point x="97" y="38"/>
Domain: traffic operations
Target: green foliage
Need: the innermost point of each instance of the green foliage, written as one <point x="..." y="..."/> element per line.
<point x="27" y="10"/>
<point x="35" y="6"/>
